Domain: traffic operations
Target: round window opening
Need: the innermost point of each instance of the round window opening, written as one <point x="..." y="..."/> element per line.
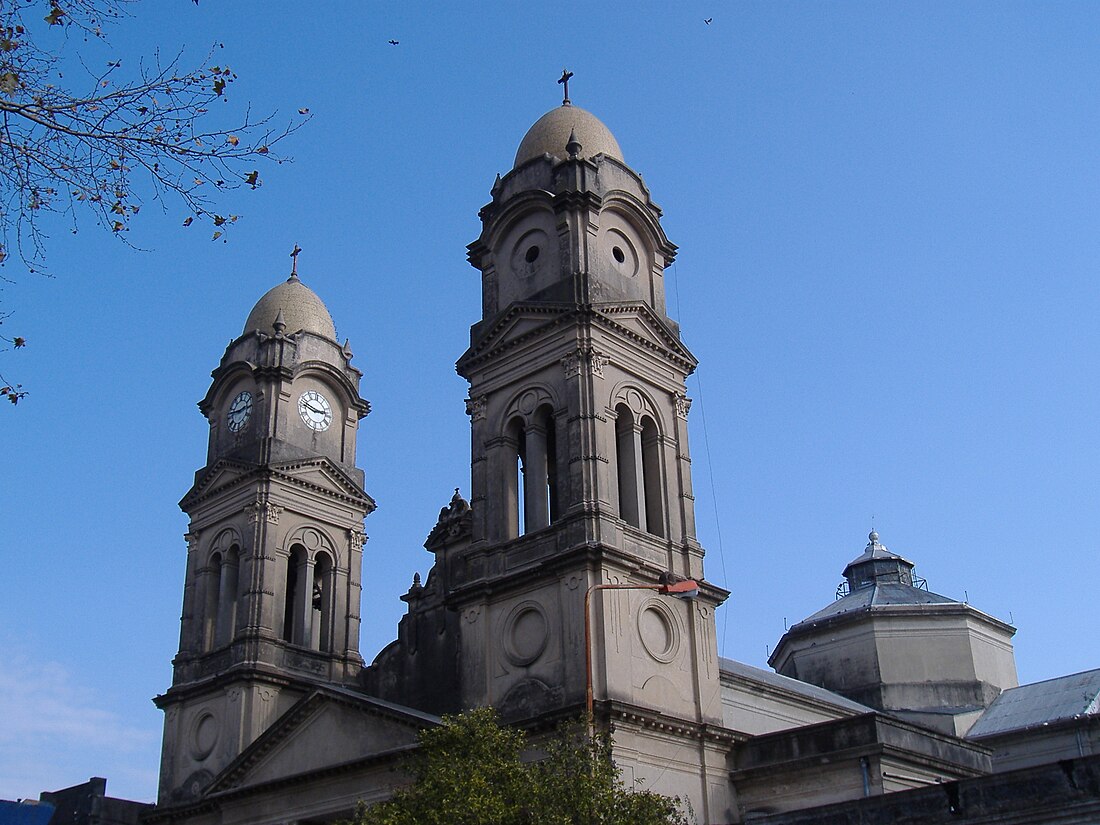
<point x="532" y="254"/>
<point x="618" y="253"/>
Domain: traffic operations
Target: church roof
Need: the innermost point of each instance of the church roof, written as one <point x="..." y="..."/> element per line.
<point x="740" y="670"/>
<point x="295" y="305"/>
<point x="1041" y="703"/>
<point x="877" y="595"/>
<point x="559" y="126"/>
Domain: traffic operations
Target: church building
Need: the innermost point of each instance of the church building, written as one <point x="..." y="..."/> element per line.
<point x="560" y="582"/>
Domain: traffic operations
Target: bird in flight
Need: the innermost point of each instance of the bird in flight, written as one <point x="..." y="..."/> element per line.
<point x="393" y="42"/>
<point x="709" y="20"/>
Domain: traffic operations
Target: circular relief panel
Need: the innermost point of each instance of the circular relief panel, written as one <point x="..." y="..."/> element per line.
<point x="658" y="631"/>
<point x="204" y="735"/>
<point x="526" y="632"/>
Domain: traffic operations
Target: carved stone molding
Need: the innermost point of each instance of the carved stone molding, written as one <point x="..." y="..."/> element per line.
<point x="583" y="361"/>
<point x="357" y="538"/>
<point x="192" y="540"/>
<point x="475" y="407"/>
<point x="270" y="512"/>
<point x="683" y="405"/>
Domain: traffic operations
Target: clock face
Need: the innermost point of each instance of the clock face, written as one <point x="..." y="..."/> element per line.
<point x="315" y="410"/>
<point x="239" y="411"/>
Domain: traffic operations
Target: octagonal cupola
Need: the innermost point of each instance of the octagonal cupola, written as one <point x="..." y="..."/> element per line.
<point x="877" y="564"/>
<point x="887" y="641"/>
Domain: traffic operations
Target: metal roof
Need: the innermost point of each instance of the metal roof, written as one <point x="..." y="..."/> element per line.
<point x="767" y="677"/>
<point x="878" y="594"/>
<point x="1041" y="703"/>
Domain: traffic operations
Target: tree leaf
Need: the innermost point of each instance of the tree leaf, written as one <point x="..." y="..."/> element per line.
<point x="9" y="82"/>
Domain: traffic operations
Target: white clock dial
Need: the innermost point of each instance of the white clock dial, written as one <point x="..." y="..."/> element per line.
<point x="239" y="411"/>
<point x="315" y="410"/>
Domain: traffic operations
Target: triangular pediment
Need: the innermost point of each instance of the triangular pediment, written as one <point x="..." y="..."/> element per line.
<point x="221" y="475"/>
<point x="324" y="730"/>
<point x="640" y="323"/>
<point x="316" y="474"/>
<point x="521" y="322"/>
<point x="320" y="475"/>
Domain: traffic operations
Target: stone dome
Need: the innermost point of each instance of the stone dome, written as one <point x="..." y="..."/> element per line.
<point x="551" y="132"/>
<point x="300" y="307"/>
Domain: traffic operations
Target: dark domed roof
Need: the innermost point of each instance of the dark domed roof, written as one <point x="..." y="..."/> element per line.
<point x="552" y="131"/>
<point x="299" y="306"/>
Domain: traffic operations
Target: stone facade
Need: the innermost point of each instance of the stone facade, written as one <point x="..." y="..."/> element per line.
<point x="554" y="577"/>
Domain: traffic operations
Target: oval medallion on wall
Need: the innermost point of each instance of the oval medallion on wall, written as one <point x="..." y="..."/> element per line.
<point x="659" y="631"/>
<point x="204" y="735"/>
<point x="526" y="632"/>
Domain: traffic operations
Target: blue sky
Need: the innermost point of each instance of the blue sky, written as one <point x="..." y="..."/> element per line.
<point x="889" y="244"/>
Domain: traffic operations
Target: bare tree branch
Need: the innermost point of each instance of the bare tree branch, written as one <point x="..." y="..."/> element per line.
<point x="123" y="139"/>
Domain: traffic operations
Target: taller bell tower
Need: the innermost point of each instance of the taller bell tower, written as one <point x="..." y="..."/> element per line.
<point x="581" y="472"/>
<point x="274" y="544"/>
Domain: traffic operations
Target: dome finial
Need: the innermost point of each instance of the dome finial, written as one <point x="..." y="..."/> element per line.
<point x="564" y="81"/>
<point x="573" y="146"/>
<point x="294" y="263"/>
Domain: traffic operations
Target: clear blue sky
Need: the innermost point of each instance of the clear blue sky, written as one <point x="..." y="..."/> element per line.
<point x="889" y="243"/>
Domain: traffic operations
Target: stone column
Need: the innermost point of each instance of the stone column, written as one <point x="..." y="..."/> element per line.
<point x="227" y="601"/>
<point x="503" y="489"/>
<point x="536" y="512"/>
<point x="303" y="603"/>
<point x="631" y="482"/>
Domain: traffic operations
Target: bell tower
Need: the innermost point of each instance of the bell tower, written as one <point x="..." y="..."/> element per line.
<point x="274" y="544"/>
<point x="581" y="472"/>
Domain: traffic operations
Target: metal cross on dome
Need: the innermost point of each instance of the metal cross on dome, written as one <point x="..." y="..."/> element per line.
<point x="294" y="260"/>
<point x="564" y="81"/>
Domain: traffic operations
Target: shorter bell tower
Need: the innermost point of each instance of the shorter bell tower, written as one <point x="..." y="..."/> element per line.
<point x="274" y="545"/>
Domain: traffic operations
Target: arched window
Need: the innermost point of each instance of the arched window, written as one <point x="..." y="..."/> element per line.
<point x="653" y="489"/>
<point x="513" y="479"/>
<point x="228" y="590"/>
<point x="212" y="593"/>
<point x="323" y="603"/>
<point x="294" y="618"/>
<point x="628" y="463"/>
<point x="531" y="497"/>
<point x="638" y="463"/>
